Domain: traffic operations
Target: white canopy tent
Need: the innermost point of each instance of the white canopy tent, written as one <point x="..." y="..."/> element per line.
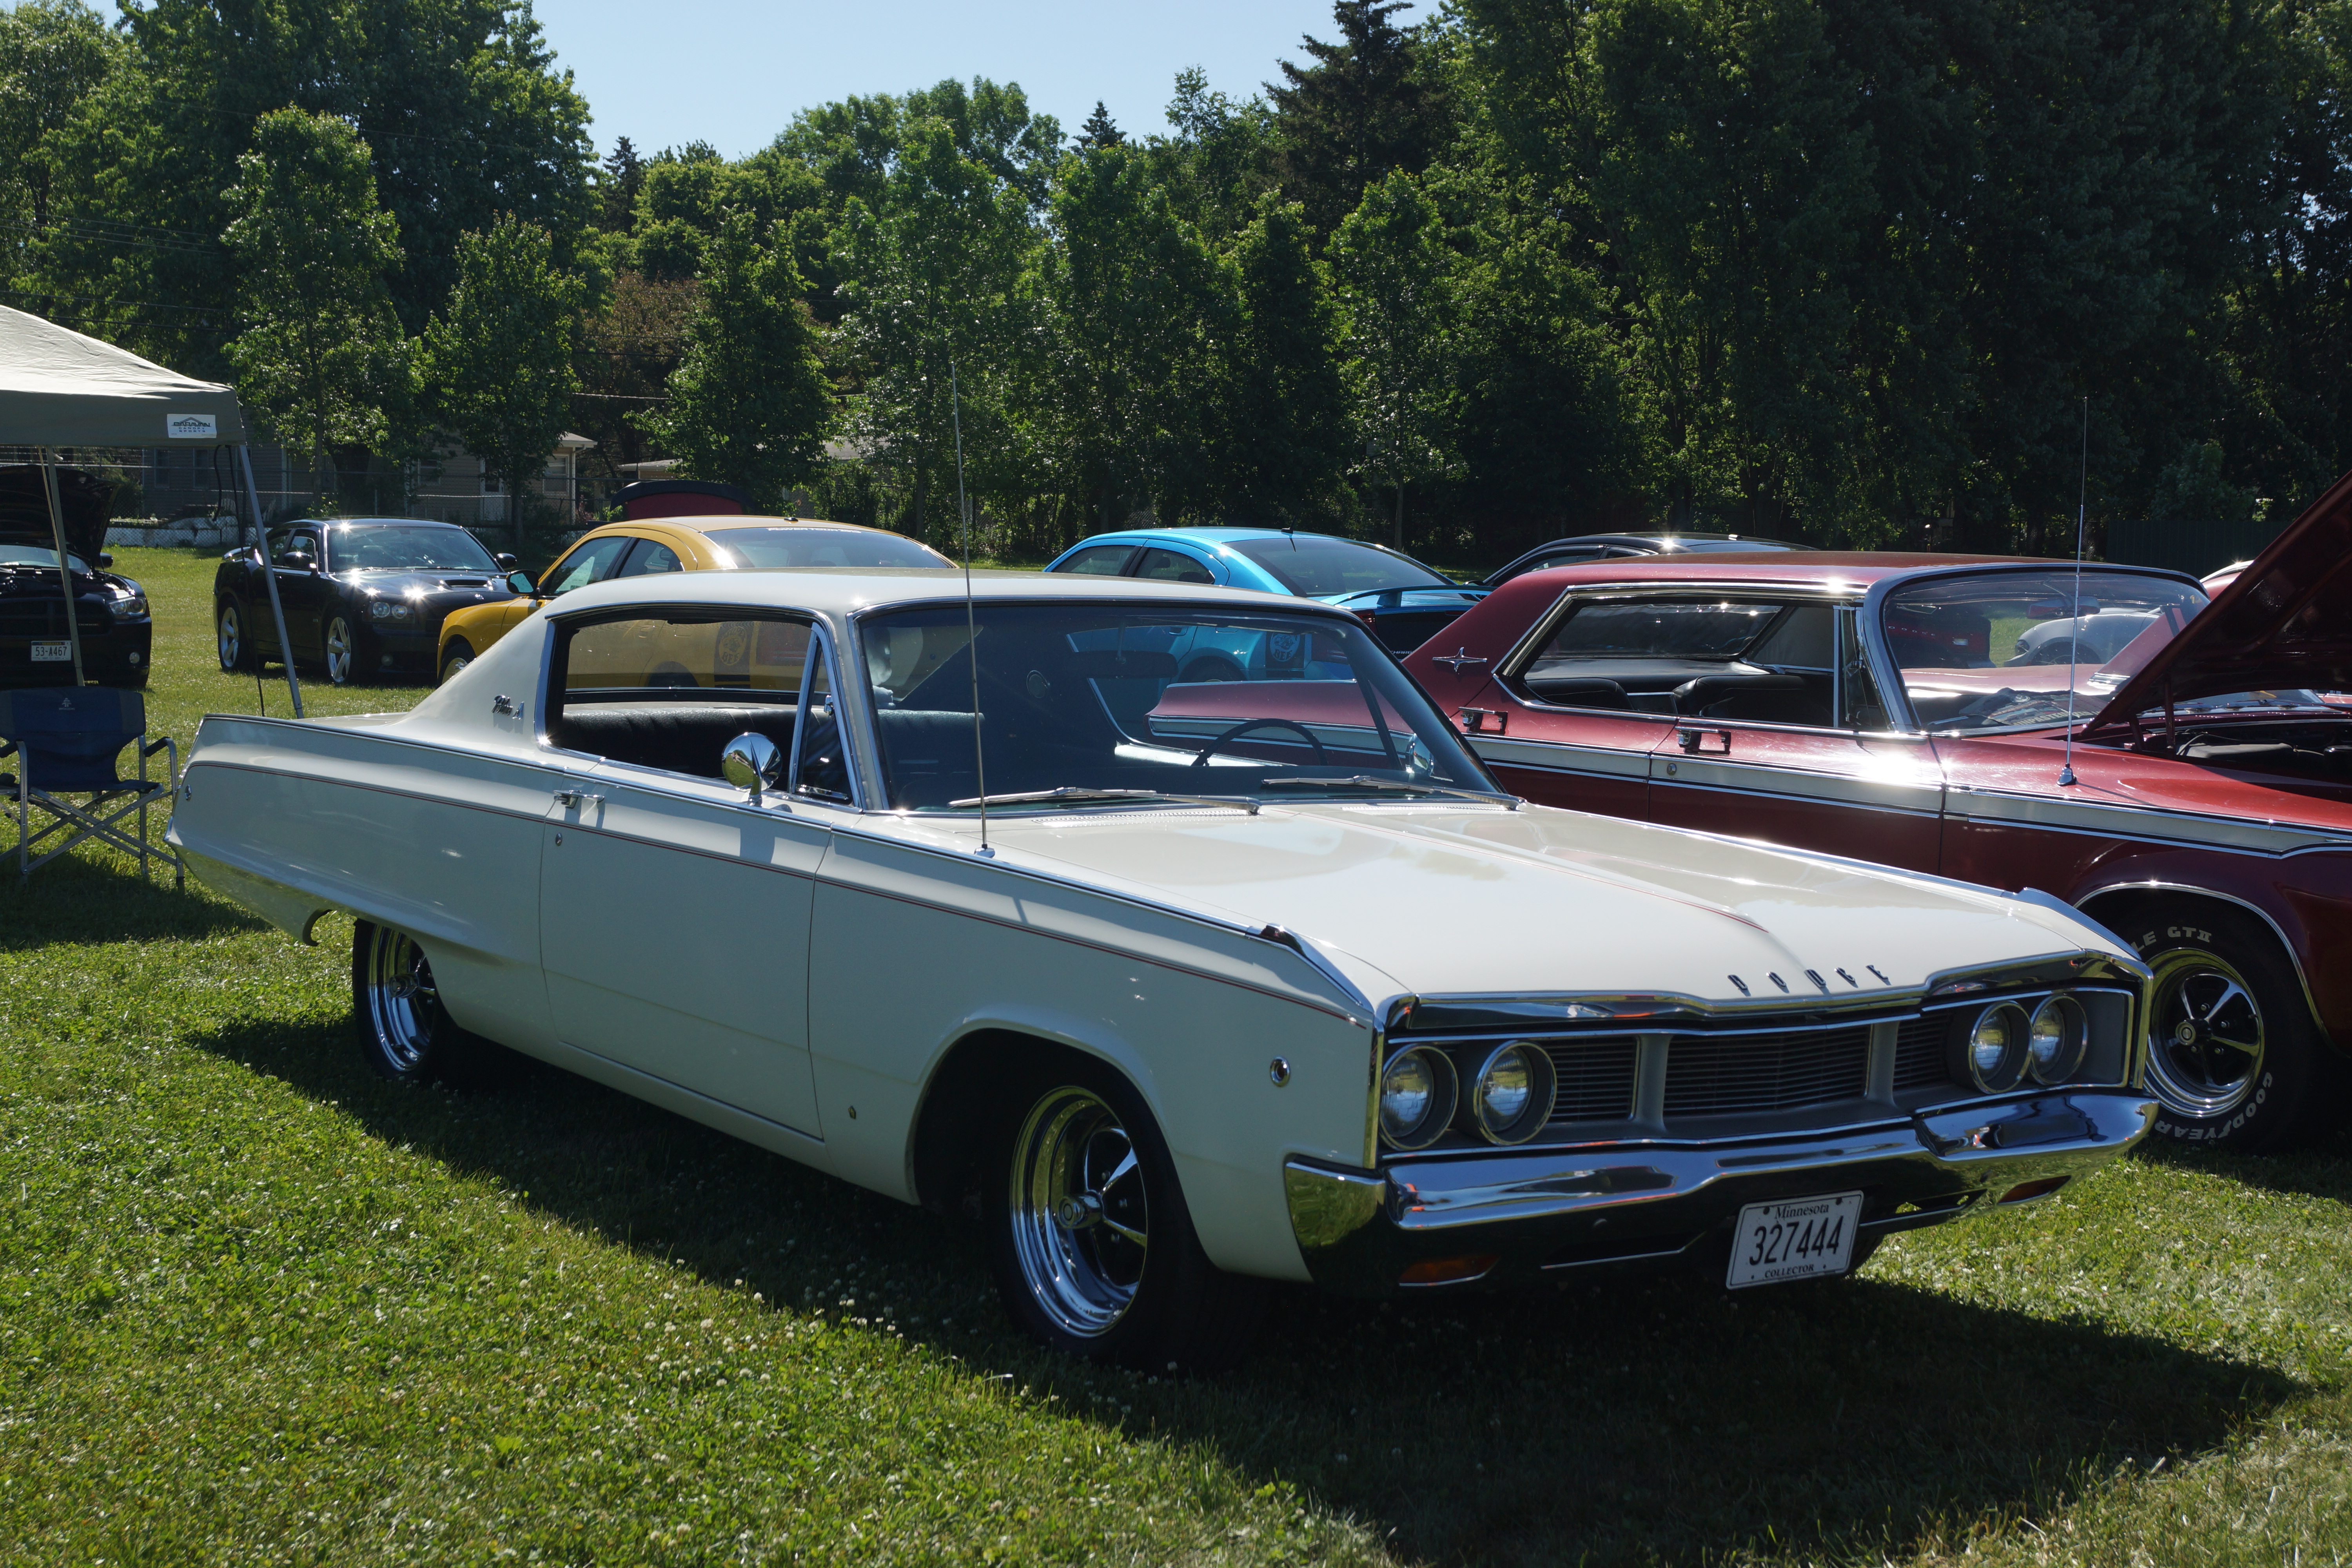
<point x="58" y="388"/>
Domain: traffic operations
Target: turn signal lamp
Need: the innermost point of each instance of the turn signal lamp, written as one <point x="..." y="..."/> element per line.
<point x="1449" y="1270"/>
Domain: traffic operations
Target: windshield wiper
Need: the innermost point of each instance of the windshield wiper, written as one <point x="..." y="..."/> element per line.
<point x="1080" y="794"/>
<point x="1401" y="786"/>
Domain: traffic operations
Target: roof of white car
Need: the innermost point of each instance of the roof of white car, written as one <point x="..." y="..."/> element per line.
<point x="837" y="591"/>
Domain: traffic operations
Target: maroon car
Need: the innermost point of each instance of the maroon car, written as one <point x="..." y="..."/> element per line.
<point x="1915" y="710"/>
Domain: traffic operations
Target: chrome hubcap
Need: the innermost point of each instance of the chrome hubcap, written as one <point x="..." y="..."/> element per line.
<point x="404" y="1008"/>
<point x="1080" y="1221"/>
<point x="339" y="651"/>
<point x="2206" y="1040"/>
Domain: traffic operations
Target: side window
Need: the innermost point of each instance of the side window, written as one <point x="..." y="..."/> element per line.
<point x="1099" y="559"/>
<point x="670" y="690"/>
<point x="1859" y="705"/>
<point x="588" y="562"/>
<point x="1716" y="658"/>
<point x="820" y="767"/>
<point x="650" y="556"/>
<point x="1172" y="566"/>
<point x="300" y="545"/>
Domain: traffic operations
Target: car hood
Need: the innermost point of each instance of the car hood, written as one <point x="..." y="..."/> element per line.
<point x="25" y="509"/>
<point x="1432" y="900"/>
<point x="396" y="583"/>
<point x="2286" y="622"/>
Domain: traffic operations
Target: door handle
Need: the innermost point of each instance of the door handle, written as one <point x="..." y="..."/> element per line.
<point x="1694" y="741"/>
<point x="1474" y="721"/>
<point x="571" y="798"/>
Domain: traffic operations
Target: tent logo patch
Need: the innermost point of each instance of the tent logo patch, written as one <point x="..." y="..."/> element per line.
<point x="192" y="426"/>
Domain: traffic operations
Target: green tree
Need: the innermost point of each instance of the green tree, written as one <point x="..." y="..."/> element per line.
<point x="459" y="101"/>
<point x="933" y="281"/>
<point x="496" y="361"/>
<point x="1362" y="109"/>
<point x="624" y="175"/>
<point x="1284" y="435"/>
<point x="319" y="351"/>
<point x="53" y="54"/>
<point x="1395" y="283"/>
<point x="749" y="403"/>
<point x="1100" y="130"/>
<point x="1219" y="161"/>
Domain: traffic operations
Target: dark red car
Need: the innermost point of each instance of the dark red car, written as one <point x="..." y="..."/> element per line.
<point x="1915" y="710"/>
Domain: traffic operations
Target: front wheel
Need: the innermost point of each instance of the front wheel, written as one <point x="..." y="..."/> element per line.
<point x="2234" y="1056"/>
<point x="1090" y="1241"/>
<point x="405" y="1033"/>
<point x="342" y="648"/>
<point x="456" y="657"/>
<point x="234" y="650"/>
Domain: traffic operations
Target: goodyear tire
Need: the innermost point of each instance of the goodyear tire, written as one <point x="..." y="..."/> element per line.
<point x="2235" y="1061"/>
<point x="1089" y="1239"/>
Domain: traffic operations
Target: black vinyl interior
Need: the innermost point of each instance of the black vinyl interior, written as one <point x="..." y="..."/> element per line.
<point x="683" y="738"/>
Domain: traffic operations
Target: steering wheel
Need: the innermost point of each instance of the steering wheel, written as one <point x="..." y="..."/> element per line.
<point x="1246" y="725"/>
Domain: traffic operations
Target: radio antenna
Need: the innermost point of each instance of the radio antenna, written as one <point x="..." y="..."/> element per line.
<point x="2075" y="632"/>
<point x="971" y="619"/>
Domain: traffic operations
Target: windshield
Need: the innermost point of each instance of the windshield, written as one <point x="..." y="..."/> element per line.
<point x="1981" y="651"/>
<point x="798" y="545"/>
<point x="1086" y="698"/>
<point x="390" y="547"/>
<point x="1316" y="565"/>
<point x="14" y="554"/>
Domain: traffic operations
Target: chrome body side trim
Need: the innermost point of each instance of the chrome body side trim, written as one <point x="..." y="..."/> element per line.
<point x="1661" y="1203"/>
<point x="1774" y="781"/>
<point x="2141" y="823"/>
<point x="1558" y="756"/>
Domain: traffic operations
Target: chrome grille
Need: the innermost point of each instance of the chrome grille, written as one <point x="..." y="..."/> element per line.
<point x="1919" y="1056"/>
<point x="1717" y="1075"/>
<point x="1596" y="1079"/>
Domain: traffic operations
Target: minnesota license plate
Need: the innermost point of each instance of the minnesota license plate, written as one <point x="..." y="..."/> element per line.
<point x="53" y="652"/>
<point x="1794" y="1240"/>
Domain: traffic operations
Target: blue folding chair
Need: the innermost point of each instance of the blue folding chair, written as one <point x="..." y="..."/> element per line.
<point x="65" y="740"/>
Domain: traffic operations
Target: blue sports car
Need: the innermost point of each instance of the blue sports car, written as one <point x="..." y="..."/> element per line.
<point x="1404" y="602"/>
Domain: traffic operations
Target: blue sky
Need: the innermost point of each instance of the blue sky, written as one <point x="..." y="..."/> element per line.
<point x="734" y="72"/>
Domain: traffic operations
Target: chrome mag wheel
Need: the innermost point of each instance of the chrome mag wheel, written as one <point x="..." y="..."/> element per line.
<point x="2205" y="1035"/>
<point x="402" y="1007"/>
<point x="1080" y="1218"/>
<point x="342" y="654"/>
<point x="229" y="632"/>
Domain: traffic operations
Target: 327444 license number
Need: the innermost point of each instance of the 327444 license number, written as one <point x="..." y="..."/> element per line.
<point x="1795" y="1239"/>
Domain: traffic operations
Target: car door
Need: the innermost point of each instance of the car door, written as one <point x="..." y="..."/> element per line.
<point x="301" y="590"/>
<point x="1156" y="565"/>
<point x="674" y="911"/>
<point x="1815" y="766"/>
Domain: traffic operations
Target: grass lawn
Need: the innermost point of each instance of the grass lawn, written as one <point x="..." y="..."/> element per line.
<point x="257" y="1306"/>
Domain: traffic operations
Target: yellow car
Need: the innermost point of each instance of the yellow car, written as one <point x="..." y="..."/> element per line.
<point x="716" y="543"/>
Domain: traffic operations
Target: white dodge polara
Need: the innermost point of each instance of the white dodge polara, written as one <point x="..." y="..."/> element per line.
<point x="1176" y="926"/>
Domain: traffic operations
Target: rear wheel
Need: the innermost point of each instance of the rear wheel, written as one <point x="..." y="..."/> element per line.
<point x="405" y="1033"/>
<point x="340" y="649"/>
<point x="2234" y="1058"/>
<point x="455" y="657"/>
<point x="1089" y="1239"/>
<point x="229" y="640"/>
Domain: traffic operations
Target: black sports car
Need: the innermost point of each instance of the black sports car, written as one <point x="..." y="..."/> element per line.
<point x="363" y="595"/>
<point x="1602" y="546"/>
<point x="118" y="636"/>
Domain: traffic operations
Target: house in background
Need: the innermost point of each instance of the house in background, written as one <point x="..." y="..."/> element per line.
<point x="449" y="488"/>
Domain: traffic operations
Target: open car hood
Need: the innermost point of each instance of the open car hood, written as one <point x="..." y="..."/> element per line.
<point x="25" y="510"/>
<point x="2286" y="622"/>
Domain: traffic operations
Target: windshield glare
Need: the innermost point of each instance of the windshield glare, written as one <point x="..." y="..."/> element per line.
<point x="1990" y="650"/>
<point x="14" y="554"/>
<point x="1316" y="565"/>
<point x="798" y="545"/>
<point x="1182" y="701"/>
<point x="390" y="547"/>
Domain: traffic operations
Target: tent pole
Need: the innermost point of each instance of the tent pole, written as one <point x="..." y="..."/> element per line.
<point x="65" y="572"/>
<point x="269" y="576"/>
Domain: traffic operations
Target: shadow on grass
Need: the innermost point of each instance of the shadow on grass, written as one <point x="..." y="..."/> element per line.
<point x="2321" y="1170"/>
<point x="1626" y="1421"/>
<point x="98" y="896"/>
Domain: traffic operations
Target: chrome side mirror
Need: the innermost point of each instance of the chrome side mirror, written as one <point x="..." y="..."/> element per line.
<point x="752" y="762"/>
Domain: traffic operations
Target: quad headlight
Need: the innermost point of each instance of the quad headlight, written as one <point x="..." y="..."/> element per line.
<point x="1996" y="1046"/>
<point x="2057" y="1040"/>
<point x="1418" y="1092"/>
<point x="1511" y="1098"/>
<point x="392" y="610"/>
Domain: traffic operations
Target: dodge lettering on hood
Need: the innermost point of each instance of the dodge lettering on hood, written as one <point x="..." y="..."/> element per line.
<point x="1184" y="985"/>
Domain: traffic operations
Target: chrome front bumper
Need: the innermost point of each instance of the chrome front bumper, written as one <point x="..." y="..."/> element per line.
<point x="1668" y="1204"/>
